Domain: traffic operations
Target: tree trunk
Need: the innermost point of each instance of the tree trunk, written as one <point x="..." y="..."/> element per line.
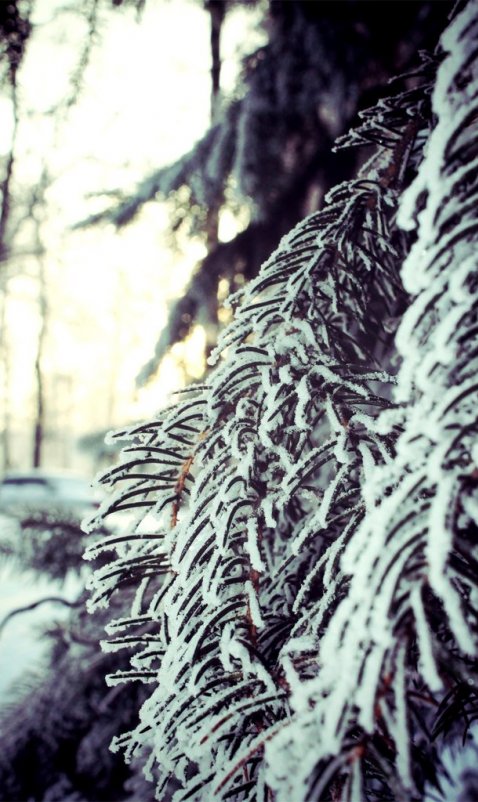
<point x="7" y="178"/>
<point x="39" y="425"/>
<point x="217" y="11"/>
<point x="5" y="374"/>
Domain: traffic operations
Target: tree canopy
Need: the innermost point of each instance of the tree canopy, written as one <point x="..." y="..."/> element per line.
<point x="269" y="148"/>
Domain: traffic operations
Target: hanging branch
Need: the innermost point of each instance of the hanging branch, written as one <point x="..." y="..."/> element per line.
<point x="269" y="149"/>
<point x="260" y="473"/>
<point x="408" y="622"/>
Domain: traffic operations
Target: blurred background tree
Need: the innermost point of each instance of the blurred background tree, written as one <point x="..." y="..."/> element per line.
<point x="267" y="159"/>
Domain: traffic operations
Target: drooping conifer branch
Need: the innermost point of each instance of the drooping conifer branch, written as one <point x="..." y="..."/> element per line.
<point x="276" y="447"/>
<point x="409" y="618"/>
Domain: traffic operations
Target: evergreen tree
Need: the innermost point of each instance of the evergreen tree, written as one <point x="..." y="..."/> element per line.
<point x="269" y="147"/>
<point x="306" y="570"/>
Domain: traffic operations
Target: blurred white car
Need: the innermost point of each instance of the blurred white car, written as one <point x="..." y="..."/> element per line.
<point x="38" y="489"/>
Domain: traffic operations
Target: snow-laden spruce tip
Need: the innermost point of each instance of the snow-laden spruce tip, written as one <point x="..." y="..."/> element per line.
<point x="306" y="603"/>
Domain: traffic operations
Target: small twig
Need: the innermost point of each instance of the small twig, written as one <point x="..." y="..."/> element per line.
<point x="33" y="605"/>
<point x="185" y="471"/>
<point x="179" y="488"/>
<point x="254" y="577"/>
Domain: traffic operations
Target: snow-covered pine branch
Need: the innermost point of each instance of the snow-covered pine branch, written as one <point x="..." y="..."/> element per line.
<point x="276" y="675"/>
<point x="407" y="628"/>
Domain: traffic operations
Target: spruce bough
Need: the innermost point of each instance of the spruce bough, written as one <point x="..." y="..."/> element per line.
<point x="305" y="547"/>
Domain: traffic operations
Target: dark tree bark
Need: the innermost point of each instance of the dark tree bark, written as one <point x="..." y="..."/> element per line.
<point x="39" y="425"/>
<point x="217" y="11"/>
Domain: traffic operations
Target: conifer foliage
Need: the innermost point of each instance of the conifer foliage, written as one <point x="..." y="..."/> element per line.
<point x="268" y="151"/>
<point x="305" y="539"/>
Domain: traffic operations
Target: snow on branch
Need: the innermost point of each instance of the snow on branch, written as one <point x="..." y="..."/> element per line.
<point x="410" y="613"/>
<point x="299" y="537"/>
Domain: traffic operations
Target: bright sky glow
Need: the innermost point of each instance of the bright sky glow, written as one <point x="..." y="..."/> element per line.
<point x="144" y="102"/>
